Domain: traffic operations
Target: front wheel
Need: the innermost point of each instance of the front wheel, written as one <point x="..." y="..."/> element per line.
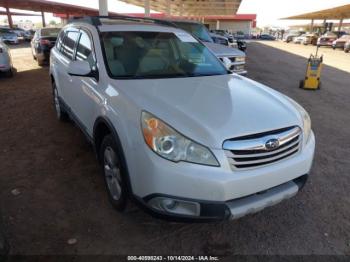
<point x="114" y="174"/>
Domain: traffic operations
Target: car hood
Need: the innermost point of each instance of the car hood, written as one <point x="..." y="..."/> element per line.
<point x="211" y="109"/>
<point x="223" y="51"/>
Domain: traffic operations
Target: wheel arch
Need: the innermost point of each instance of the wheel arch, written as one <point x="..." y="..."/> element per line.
<point x="102" y="127"/>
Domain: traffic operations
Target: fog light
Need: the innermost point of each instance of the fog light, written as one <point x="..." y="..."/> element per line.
<point x="175" y="206"/>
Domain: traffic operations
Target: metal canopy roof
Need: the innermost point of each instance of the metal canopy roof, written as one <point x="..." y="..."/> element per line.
<point x="48" y="6"/>
<point x="175" y="7"/>
<point x="341" y="12"/>
<point x="191" y="7"/>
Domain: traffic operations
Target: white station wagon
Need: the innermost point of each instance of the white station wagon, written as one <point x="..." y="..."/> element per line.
<point x="171" y="127"/>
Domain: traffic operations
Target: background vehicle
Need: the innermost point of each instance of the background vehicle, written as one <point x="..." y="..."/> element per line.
<point x="267" y="37"/>
<point x="347" y="47"/>
<point x="290" y="37"/>
<point x="5" y="60"/>
<point x="326" y="39"/>
<point x="310" y="39"/>
<point x="299" y="39"/>
<point x="233" y="42"/>
<point x="219" y="39"/>
<point x="172" y="128"/>
<point x="340" y="42"/>
<point x="43" y="40"/>
<point x="233" y="58"/>
<point x="8" y="36"/>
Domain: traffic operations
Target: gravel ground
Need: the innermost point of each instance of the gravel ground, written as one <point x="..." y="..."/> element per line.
<point x="53" y="200"/>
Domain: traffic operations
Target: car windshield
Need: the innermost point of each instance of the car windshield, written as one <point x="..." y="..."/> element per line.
<point x="50" y="32"/>
<point x="197" y="30"/>
<point x="134" y="55"/>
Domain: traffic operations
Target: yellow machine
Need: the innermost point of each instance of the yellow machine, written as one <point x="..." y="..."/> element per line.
<point x="313" y="73"/>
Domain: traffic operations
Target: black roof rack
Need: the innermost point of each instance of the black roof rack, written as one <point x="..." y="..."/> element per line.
<point x="96" y="20"/>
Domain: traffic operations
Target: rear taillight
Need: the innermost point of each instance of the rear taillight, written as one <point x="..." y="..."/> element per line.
<point x="44" y="42"/>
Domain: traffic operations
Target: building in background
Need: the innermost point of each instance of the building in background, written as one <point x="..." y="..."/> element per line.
<point x="245" y="23"/>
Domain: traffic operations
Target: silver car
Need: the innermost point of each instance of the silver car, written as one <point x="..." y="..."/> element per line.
<point x="5" y="60"/>
<point x="233" y="59"/>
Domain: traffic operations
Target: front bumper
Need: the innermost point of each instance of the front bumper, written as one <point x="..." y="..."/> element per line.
<point x="229" y="210"/>
<point x="217" y="189"/>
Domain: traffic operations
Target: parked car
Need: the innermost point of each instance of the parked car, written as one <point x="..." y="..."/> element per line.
<point x="299" y="39"/>
<point x="340" y="42"/>
<point x="347" y="47"/>
<point x="224" y="33"/>
<point x="233" y="58"/>
<point x="310" y="39"/>
<point x="8" y="36"/>
<point x="326" y="39"/>
<point x="5" y="60"/>
<point x="290" y="37"/>
<point x="219" y="39"/>
<point x="43" y="40"/>
<point x="232" y="42"/>
<point x="172" y="128"/>
<point x="267" y="37"/>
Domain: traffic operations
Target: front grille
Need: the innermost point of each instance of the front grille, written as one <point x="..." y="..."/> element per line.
<point x="251" y="151"/>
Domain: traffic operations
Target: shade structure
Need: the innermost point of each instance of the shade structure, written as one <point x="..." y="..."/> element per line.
<point x="191" y="7"/>
<point x="340" y="12"/>
<point x="48" y="6"/>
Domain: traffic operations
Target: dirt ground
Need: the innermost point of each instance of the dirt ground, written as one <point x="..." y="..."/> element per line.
<point x="51" y="189"/>
<point x="335" y="58"/>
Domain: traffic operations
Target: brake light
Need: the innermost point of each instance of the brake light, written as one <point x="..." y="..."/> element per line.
<point x="44" y="42"/>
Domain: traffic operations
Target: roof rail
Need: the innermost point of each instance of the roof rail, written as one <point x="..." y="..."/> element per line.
<point x="96" y="20"/>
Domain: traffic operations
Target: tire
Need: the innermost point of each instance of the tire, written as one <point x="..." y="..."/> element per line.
<point x="9" y="73"/>
<point x="346" y="50"/>
<point x="60" y="113"/>
<point x="113" y="172"/>
<point x="319" y="85"/>
<point x="301" y="84"/>
<point x="40" y="62"/>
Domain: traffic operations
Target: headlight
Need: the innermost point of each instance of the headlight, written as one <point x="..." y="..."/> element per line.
<point x="227" y="62"/>
<point x="240" y="59"/>
<point x="168" y="143"/>
<point x="306" y="120"/>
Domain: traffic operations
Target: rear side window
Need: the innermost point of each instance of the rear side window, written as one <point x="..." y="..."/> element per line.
<point x="84" y="49"/>
<point x="59" y="41"/>
<point x="69" y="44"/>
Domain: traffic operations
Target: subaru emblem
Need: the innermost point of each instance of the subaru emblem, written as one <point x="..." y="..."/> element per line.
<point x="272" y="144"/>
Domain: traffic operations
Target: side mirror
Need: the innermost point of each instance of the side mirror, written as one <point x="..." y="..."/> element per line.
<point x="79" y="68"/>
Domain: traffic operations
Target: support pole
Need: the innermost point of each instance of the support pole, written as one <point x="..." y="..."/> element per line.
<point x="9" y="17"/>
<point x="312" y="26"/>
<point x="340" y="24"/>
<point x="147" y="8"/>
<point x="43" y="18"/>
<point x="217" y="24"/>
<point x="103" y="7"/>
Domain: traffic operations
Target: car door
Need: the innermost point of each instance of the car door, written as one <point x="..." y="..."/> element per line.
<point x="85" y="89"/>
<point x="62" y="59"/>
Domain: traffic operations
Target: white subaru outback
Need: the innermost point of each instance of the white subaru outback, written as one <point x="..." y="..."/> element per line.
<point x="171" y="127"/>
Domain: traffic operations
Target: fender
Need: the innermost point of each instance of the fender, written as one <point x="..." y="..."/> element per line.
<point x="108" y="123"/>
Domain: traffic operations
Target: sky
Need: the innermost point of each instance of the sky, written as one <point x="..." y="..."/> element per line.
<point x="268" y="11"/>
